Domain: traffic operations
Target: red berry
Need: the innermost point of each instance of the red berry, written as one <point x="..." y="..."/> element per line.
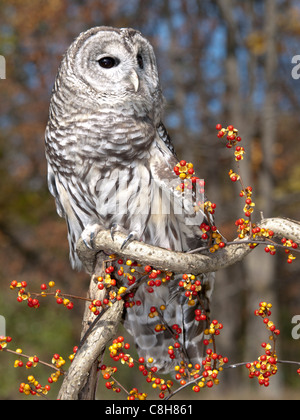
<point x="182" y="163"/>
<point x="218" y="127"/>
<point x="43" y="286"/>
<point x="209" y="384"/>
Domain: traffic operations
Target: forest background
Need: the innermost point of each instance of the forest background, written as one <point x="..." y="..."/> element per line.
<point x="220" y="61"/>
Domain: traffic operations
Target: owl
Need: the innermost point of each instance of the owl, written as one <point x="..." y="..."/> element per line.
<point x="110" y="166"/>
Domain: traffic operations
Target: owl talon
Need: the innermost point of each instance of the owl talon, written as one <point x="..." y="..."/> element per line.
<point x="88" y="244"/>
<point x="89" y="234"/>
<point x="130" y="237"/>
<point x="113" y="230"/>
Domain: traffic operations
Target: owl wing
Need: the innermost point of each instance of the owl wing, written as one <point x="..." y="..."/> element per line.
<point x="150" y="342"/>
<point x="52" y="185"/>
<point x="182" y="221"/>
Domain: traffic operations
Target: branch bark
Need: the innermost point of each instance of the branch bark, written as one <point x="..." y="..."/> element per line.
<point x="81" y="378"/>
<point x="180" y="262"/>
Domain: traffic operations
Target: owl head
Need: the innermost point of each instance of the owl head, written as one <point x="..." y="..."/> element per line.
<point x="111" y="66"/>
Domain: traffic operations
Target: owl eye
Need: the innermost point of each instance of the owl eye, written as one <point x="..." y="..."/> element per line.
<point x="140" y="61"/>
<point x="108" y="62"/>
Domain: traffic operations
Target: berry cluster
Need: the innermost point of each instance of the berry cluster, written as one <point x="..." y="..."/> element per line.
<point x="266" y="364"/>
<point x="231" y="134"/>
<point x="290" y="244"/>
<point x="214" y="328"/>
<point x="118" y="353"/>
<point x="212" y="236"/>
<point x="33" y="302"/>
<point x="189" y="181"/>
<point x="246" y="229"/>
<point x="232" y="137"/>
<point x="32" y="361"/>
<point x="185" y="171"/>
<point x="24" y="295"/>
<point x="33" y="387"/>
<point x="202" y="374"/>
<point x="192" y="285"/>
<point x="4" y="340"/>
<point x="63" y="300"/>
<point x="212" y="364"/>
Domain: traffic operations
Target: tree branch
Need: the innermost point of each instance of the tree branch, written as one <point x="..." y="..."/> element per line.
<point x="80" y="381"/>
<point x="180" y="262"/>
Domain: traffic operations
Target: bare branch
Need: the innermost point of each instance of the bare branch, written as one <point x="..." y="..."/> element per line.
<point x="180" y="262"/>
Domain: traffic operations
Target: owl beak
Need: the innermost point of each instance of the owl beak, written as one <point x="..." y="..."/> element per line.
<point x="134" y="79"/>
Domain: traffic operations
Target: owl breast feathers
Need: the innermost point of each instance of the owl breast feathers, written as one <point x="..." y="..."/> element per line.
<point x="110" y="164"/>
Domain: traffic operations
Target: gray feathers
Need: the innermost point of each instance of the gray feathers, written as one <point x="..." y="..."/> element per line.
<point x="110" y="162"/>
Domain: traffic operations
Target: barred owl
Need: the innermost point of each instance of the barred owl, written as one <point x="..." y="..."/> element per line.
<point x="110" y="165"/>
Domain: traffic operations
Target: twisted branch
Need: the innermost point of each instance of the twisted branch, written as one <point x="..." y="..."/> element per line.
<point x="180" y="262"/>
<point x="80" y="381"/>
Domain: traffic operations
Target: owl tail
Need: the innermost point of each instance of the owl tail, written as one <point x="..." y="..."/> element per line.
<point x="166" y="325"/>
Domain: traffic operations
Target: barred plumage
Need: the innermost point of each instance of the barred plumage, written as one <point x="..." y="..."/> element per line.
<point x="110" y="163"/>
